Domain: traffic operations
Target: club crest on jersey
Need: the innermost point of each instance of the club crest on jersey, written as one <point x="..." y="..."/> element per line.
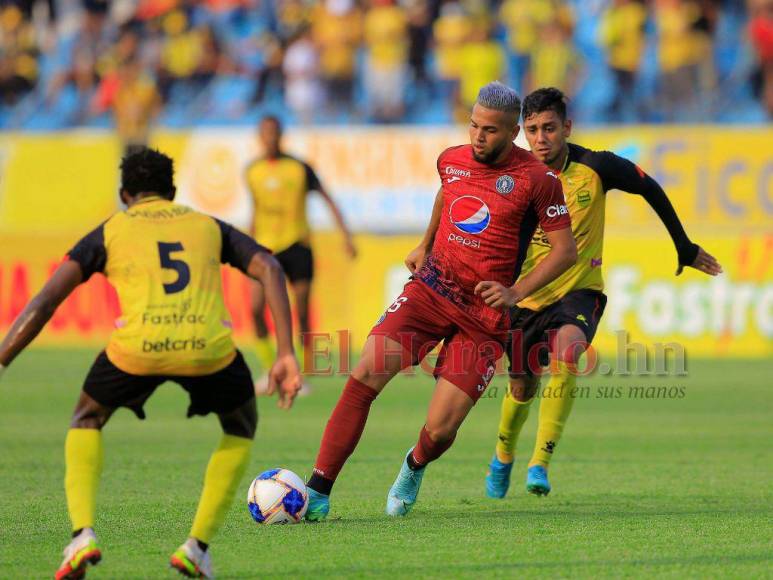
<point x="470" y="215"/>
<point x="505" y="184"/>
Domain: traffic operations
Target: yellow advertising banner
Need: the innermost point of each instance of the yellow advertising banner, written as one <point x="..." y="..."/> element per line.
<point x="56" y="188"/>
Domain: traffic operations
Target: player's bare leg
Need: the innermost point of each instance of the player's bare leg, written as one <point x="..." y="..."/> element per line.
<point x="447" y="411"/>
<point x="225" y="470"/>
<point x="83" y="466"/>
<point x="382" y="358"/>
<point x="264" y="349"/>
<point x="513" y="415"/>
<point x="555" y="405"/>
<point x="302" y="294"/>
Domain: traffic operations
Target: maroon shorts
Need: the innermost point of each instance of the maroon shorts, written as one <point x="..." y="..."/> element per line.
<point x="419" y="319"/>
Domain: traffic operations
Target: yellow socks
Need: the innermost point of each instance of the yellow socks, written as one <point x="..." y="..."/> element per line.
<point x="555" y="405"/>
<point x="511" y="419"/>
<point x="264" y="349"/>
<point x="225" y="470"/>
<point x="83" y="455"/>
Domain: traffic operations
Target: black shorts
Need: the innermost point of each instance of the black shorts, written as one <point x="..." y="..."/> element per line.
<point x="528" y="347"/>
<point x="297" y="262"/>
<point x="221" y="392"/>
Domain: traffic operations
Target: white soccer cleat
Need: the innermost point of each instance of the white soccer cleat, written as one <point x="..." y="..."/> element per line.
<point x="78" y="554"/>
<point x="192" y="561"/>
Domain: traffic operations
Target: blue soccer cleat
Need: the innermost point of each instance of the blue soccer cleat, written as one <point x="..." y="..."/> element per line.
<point x="498" y="478"/>
<point x="537" y="480"/>
<point x="319" y="506"/>
<point x="404" y="491"/>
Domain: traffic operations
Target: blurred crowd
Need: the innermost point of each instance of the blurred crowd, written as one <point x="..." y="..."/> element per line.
<point x="187" y="62"/>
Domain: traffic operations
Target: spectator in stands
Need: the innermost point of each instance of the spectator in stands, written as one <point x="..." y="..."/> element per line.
<point x="18" y="55"/>
<point x="293" y="17"/>
<point x="681" y="46"/>
<point x="522" y="20"/>
<point x="622" y="34"/>
<point x="761" y="33"/>
<point x="481" y="60"/>
<point x="419" y="36"/>
<point x="382" y="46"/>
<point x="182" y="54"/>
<point x="386" y="39"/>
<point x="135" y="102"/>
<point x="450" y="31"/>
<point x="554" y="60"/>
<point x="303" y="88"/>
<point x="270" y="73"/>
<point x="337" y="32"/>
<point x="79" y="69"/>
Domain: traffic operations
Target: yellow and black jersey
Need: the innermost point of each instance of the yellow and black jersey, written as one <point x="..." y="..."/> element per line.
<point x="279" y="187"/>
<point x="164" y="261"/>
<point x="586" y="177"/>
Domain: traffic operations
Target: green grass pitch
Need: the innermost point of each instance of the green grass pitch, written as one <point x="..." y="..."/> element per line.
<point x="662" y="487"/>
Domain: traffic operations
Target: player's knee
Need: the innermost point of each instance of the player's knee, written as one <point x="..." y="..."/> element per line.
<point x="241" y="422"/>
<point x="523" y="388"/>
<point x="570" y="343"/>
<point x="89" y="414"/>
<point x="367" y="375"/>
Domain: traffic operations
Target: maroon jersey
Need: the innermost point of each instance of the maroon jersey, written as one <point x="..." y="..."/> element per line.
<point x="489" y="215"/>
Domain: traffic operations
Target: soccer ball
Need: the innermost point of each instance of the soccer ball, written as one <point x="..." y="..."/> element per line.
<point x="277" y="496"/>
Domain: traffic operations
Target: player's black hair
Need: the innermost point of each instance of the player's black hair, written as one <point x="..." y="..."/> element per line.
<point x="272" y="119"/>
<point x="547" y="99"/>
<point x="148" y="170"/>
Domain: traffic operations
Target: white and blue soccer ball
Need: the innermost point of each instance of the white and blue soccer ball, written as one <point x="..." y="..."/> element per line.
<point x="278" y="496"/>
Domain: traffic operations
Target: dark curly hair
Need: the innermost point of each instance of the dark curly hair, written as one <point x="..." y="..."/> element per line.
<point x="148" y="171"/>
<point x="547" y="99"/>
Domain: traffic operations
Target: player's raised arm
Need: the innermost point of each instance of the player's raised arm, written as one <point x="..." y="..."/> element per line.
<point x="87" y="257"/>
<point x="245" y="254"/>
<point x="416" y="257"/>
<point x="39" y="311"/>
<point x="314" y="184"/>
<point x="620" y="173"/>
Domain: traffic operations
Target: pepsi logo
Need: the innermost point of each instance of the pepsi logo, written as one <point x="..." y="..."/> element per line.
<point x="470" y="214"/>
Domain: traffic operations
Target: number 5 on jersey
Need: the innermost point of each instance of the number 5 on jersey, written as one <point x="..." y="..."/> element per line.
<point x="394" y="307"/>
<point x="165" y="250"/>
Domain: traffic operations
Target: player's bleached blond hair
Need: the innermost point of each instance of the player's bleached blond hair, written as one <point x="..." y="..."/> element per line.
<point x="499" y="97"/>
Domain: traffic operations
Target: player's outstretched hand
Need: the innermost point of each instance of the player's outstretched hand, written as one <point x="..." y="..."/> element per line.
<point x="496" y="295"/>
<point x="704" y="262"/>
<point x="415" y="259"/>
<point x="285" y="376"/>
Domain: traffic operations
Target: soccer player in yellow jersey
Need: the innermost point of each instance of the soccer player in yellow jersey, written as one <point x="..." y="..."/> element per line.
<point x="279" y="185"/>
<point x="164" y="261"/>
<point x="565" y="313"/>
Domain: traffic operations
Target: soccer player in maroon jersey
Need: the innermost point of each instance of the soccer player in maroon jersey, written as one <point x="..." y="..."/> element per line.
<point x="465" y="277"/>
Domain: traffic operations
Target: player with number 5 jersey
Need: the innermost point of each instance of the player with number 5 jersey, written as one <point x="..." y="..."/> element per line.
<point x="164" y="261"/>
<point x="175" y="321"/>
